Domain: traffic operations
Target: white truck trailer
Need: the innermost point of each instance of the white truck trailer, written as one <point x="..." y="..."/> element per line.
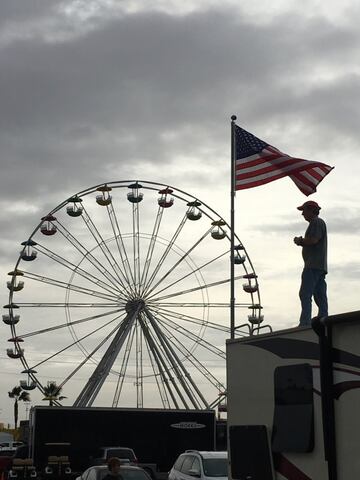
<point x="294" y="402"/>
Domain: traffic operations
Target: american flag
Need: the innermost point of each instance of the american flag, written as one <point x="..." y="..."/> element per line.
<point x="257" y="163"/>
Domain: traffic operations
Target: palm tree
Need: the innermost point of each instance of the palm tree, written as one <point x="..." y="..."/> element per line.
<point x="19" y="395"/>
<point x="52" y="393"/>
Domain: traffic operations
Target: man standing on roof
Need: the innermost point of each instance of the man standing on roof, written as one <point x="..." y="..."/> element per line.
<point x="314" y="252"/>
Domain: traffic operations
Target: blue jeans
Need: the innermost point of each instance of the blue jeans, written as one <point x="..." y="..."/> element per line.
<point x="313" y="284"/>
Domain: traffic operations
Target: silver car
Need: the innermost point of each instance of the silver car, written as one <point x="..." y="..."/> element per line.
<point x="202" y="465"/>
<point x="127" y="472"/>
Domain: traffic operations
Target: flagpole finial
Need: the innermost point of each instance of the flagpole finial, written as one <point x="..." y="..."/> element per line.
<point x="233" y="118"/>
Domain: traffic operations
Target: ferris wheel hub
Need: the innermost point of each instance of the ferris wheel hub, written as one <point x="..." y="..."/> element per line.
<point x="135" y="304"/>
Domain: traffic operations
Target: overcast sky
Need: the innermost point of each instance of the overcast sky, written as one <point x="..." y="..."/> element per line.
<point x="100" y="90"/>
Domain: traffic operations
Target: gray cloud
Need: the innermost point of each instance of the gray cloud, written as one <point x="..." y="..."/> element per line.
<point x="145" y="86"/>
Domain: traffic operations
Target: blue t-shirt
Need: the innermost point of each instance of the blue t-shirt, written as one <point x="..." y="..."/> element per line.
<point x="315" y="256"/>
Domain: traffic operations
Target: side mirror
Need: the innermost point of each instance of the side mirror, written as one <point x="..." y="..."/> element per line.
<point x="194" y="473"/>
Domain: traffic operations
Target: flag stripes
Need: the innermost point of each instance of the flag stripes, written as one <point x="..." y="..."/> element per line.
<point x="258" y="163"/>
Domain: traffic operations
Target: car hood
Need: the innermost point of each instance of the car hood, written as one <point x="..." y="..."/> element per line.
<point x="215" y="478"/>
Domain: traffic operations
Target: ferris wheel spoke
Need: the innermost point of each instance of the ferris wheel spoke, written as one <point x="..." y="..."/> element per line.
<point x="198" y="305"/>
<point x="164" y="256"/>
<point x="70" y="304"/>
<point x="191" y="319"/>
<point x="90" y="355"/>
<point x="196" y="338"/>
<point x="88" y="255"/>
<point x="196" y="321"/>
<point x="123" y="369"/>
<point x="150" y="250"/>
<point x="195" y="289"/>
<point x="105" y="250"/>
<point x="189" y="355"/>
<point x="68" y="286"/>
<point x="67" y="324"/>
<point x="120" y="244"/>
<point x="162" y="363"/>
<point x="75" y="268"/>
<point x="188" y="275"/>
<point x="136" y="246"/>
<point x="98" y="377"/>
<point x="180" y="371"/>
<point x="76" y="342"/>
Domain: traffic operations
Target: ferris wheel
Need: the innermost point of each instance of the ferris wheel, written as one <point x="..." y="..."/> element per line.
<point x="120" y="295"/>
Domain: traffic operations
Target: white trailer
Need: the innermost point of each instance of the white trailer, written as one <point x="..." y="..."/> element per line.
<point x="294" y="402"/>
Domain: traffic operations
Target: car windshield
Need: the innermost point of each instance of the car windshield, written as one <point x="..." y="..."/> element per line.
<point x="128" y="474"/>
<point x="215" y="467"/>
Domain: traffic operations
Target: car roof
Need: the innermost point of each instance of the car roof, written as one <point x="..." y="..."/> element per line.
<point x="122" y="467"/>
<point x="206" y="454"/>
<point x="117" y="446"/>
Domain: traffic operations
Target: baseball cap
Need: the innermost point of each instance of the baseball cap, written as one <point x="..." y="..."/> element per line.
<point x="311" y="204"/>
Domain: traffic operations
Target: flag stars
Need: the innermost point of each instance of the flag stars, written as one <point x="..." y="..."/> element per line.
<point x="247" y="144"/>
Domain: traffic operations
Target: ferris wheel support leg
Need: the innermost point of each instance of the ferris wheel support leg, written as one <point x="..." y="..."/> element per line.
<point x="159" y="362"/>
<point x="194" y="361"/>
<point x="122" y="372"/>
<point x="97" y="379"/>
<point x="139" y="368"/>
<point x="179" y="368"/>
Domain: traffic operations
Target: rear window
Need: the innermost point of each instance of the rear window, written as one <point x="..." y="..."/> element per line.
<point x="120" y="453"/>
<point x="215" y="467"/>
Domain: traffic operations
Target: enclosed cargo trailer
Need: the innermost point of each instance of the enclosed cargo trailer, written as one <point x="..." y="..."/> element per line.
<point x="157" y="436"/>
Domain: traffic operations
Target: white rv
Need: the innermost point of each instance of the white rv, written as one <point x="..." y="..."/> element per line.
<point x="294" y="402"/>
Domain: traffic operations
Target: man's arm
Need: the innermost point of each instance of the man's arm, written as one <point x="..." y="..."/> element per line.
<point x="313" y="235"/>
<point x="301" y="241"/>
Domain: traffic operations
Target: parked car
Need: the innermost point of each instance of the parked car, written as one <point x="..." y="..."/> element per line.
<point x="104" y="453"/>
<point x="128" y="472"/>
<point x="202" y="465"/>
<point x="9" y="446"/>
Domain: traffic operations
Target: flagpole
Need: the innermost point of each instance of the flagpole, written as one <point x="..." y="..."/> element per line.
<point x="232" y="231"/>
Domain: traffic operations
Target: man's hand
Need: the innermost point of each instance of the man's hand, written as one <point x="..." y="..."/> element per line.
<point x="298" y="241"/>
